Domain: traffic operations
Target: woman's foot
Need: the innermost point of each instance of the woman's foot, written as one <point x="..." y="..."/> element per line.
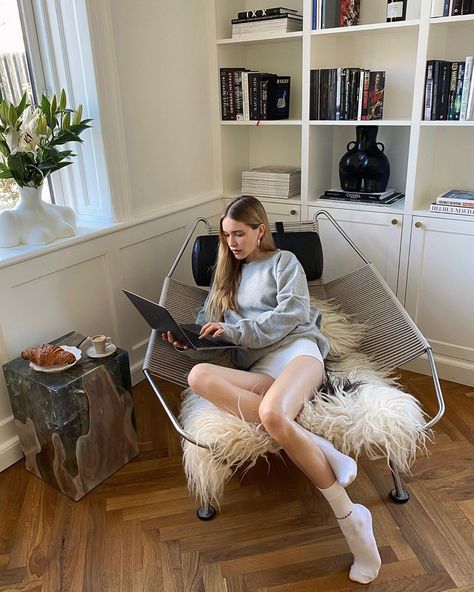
<point x="344" y="467"/>
<point x="357" y="529"/>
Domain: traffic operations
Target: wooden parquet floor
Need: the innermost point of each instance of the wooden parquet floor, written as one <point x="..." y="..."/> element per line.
<point x="138" y="530"/>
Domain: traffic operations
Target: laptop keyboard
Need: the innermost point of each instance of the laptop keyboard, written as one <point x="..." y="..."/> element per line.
<point x="193" y="337"/>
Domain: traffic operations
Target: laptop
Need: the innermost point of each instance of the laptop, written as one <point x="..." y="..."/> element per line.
<point x="160" y="319"/>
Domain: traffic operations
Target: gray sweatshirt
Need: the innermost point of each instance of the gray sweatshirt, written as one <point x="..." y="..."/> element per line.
<point x="273" y="309"/>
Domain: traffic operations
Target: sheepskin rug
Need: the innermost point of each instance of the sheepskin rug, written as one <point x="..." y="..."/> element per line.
<point x="359" y="408"/>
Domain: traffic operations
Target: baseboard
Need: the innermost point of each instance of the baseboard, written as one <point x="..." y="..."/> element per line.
<point x="452" y="369"/>
<point x="10" y="453"/>
<point x="136" y="372"/>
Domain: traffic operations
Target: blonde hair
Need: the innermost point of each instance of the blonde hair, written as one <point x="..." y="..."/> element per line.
<point x="228" y="270"/>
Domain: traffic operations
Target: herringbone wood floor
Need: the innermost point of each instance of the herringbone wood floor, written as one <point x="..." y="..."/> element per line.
<point x="138" y="531"/>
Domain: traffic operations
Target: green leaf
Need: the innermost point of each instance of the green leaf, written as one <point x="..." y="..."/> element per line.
<point x="21" y="105"/>
<point x="5" y="174"/>
<point x="62" y="100"/>
<point x="4" y="148"/>
<point x="54" y="106"/>
<point x="12" y="115"/>
<point x="17" y="167"/>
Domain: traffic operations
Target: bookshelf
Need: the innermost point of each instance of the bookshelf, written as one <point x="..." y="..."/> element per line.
<point x="405" y="240"/>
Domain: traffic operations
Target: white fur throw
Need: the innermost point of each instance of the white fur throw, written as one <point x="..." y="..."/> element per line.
<point x="359" y="408"/>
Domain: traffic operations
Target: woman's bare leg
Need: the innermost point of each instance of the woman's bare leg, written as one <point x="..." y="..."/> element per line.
<point x="280" y="405"/>
<point x="236" y="391"/>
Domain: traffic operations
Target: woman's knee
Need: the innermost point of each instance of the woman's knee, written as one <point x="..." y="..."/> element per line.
<point x="199" y="377"/>
<point x="275" y="421"/>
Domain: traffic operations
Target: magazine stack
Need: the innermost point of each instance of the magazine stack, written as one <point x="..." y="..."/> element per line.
<point x="272" y="181"/>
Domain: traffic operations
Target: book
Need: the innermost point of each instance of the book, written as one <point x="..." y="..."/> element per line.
<point x="466" y="85"/>
<point x="428" y="90"/>
<point x="443" y="90"/>
<point x="329" y="14"/>
<point x="455" y="202"/>
<point x="456" y="8"/>
<point x="437" y="7"/>
<point x="451" y="209"/>
<point x="281" y="25"/>
<point x="470" y="100"/>
<point x="376" y="94"/>
<point x="337" y="192"/>
<point x="434" y="95"/>
<point x="272" y="181"/>
<point x="265" y="12"/>
<point x="459" y="194"/>
<point x="391" y="199"/>
<point x="266" y="19"/>
<point x="314" y="95"/>
<point x="365" y="96"/>
<point x="452" y="89"/>
<point x="278" y="96"/>
<point x="349" y="13"/>
<point x="458" y="95"/>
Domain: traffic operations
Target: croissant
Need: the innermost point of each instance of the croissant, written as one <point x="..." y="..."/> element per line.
<point x="48" y="355"/>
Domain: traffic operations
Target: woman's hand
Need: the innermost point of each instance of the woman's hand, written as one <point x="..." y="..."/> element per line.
<point x="170" y="338"/>
<point x="211" y="330"/>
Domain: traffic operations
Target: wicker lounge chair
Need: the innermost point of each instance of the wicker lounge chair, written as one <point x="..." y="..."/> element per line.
<point x="392" y="339"/>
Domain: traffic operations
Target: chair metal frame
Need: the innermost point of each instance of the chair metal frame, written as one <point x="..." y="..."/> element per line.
<point x="367" y="281"/>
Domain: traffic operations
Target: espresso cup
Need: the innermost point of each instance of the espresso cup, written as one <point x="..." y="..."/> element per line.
<point x="100" y="342"/>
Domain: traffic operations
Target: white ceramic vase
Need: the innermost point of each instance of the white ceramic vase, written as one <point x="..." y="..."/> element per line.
<point x="35" y="222"/>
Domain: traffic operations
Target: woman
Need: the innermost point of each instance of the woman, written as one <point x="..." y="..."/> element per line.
<point x="259" y="299"/>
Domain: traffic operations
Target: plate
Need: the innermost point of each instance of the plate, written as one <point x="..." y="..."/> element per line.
<point x="109" y="350"/>
<point x="50" y="369"/>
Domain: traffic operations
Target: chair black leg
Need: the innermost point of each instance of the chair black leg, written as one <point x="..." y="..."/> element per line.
<point x="399" y="495"/>
<point x="206" y="512"/>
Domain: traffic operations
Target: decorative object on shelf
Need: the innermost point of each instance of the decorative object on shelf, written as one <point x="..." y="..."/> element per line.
<point x="350" y="13"/>
<point x="396" y="10"/>
<point x="31" y="138"/>
<point x="364" y="167"/>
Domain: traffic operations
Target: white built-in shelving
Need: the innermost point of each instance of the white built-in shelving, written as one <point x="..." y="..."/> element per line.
<point x="405" y="240"/>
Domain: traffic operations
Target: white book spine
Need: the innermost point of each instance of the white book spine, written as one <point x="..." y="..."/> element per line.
<point x="338" y="93"/>
<point x="466" y="86"/>
<point x="245" y="96"/>
<point x="470" y="99"/>
<point x="437" y="7"/>
<point x="451" y="209"/>
<point x="450" y="11"/>
<point x="452" y="201"/>
<point x="361" y="94"/>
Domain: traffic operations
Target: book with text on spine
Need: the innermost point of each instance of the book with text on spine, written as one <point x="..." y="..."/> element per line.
<point x="451" y="209"/>
<point x="459" y="194"/>
<point x="262" y="12"/>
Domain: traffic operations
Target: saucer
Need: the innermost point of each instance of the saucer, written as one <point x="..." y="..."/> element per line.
<point x="109" y="349"/>
<point x="50" y="369"/>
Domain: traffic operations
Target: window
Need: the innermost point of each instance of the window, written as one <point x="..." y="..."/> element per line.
<point x="15" y="79"/>
<point x="48" y="48"/>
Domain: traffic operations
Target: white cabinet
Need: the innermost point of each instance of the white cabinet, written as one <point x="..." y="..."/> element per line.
<point x="377" y="235"/>
<point x="440" y="289"/>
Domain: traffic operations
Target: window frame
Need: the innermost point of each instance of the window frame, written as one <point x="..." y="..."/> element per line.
<point x="61" y="57"/>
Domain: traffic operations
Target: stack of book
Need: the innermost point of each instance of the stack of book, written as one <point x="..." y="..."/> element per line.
<point x="451" y="7"/>
<point x="455" y="201"/>
<point x="272" y="181"/>
<point x="250" y="95"/>
<point x="266" y="20"/>
<point x="390" y="196"/>
<point x="449" y="90"/>
<point x="335" y="13"/>
<point x="346" y="93"/>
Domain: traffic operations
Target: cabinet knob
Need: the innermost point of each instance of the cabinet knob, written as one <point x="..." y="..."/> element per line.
<point x="418" y="225"/>
<point x="293" y="212"/>
<point x="394" y="221"/>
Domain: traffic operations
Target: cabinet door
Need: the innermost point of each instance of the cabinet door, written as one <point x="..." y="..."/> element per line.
<point x="376" y="235"/>
<point x="440" y="284"/>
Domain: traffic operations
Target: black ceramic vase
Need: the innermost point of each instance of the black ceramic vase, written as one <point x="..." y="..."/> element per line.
<point x="364" y="167"/>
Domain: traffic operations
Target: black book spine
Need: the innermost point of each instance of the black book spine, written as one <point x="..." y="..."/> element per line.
<point x="231" y="93"/>
<point x="458" y="95"/>
<point x="347" y="92"/>
<point x="456" y="8"/>
<point x="279" y="97"/>
<point x="314" y="95"/>
<point x="239" y="107"/>
<point x="452" y="89"/>
<point x="263" y="97"/>
<point x="253" y="95"/>
<point x="354" y="92"/>
<point x="443" y="90"/>
<point x="434" y="96"/>
<point x="224" y="95"/>
<point x="252" y="14"/>
<point x="332" y="93"/>
<point x="238" y="21"/>
<point x="466" y="6"/>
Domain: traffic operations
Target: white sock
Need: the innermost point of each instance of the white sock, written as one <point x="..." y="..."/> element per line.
<point x="355" y="521"/>
<point x="344" y="467"/>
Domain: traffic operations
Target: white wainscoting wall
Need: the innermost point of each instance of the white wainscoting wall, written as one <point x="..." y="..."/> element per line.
<point x="78" y="288"/>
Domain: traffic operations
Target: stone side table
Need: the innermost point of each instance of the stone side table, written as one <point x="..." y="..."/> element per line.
<point x="76" y="427"/>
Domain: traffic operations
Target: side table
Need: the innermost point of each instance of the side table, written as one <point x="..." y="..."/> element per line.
<point x="76" y="427"/>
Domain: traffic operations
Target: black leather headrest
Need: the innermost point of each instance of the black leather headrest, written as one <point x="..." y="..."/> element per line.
<point x="305" y="245"/>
